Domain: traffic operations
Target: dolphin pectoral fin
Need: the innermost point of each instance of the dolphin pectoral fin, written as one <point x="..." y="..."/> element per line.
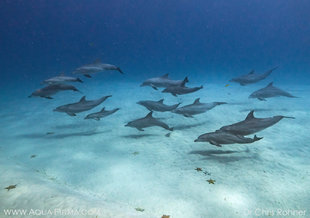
<point x="261" y="99"/>
<point x="47" y="97"/>
<point x="215" y="143"/>
<point x="87" y="75"/>
<point x="175" y="95"/>
<point x="154" y="87"/>
<point x="71" y="114"/>
<point x="187" y="115"/>
<point x="140" y="129"/>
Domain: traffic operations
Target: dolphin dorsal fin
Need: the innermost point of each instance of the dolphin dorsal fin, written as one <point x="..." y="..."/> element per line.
<point x="165" y="75"/>
<point x="83" y="99"/>
<point x="251" y="72"/>
<point x="270" y="84"/>
<point x="161" y="101"/>
<point x="97" y="61"/>
<point x="250" y="115"/>
<point x="103" y="109"/>
<point x="197" y="101"/>
<point x="184" y="81"/>
<point x="149" y="115"/>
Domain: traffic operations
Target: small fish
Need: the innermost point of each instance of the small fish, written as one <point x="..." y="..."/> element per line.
<point x="33" y="156"/>
<point x="165" y="216"/>
<point x="227" y="85"/>
<point x="10" y="187"/>
<point x="139" y="209"/>
<point x="198" y="169"/>
<point x="135" y="153"/>
<point x="49" y="133"/>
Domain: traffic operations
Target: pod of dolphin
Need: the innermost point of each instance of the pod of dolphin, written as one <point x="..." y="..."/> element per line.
<point x="231" y="134"/>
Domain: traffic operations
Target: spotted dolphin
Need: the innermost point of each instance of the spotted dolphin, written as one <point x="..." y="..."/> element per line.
<point x="80" y="106"/>
<point x="252" y="124"/>
<point x="162" y="82"/>
<point x="218" y="138"/>
<point x="196" y="108"/>
<point x="61" y="78"/>
<point x="95" y="67"/>
<point x="181" y="89"/>
<point x="147" y="121"/>
<point x="270" y="91"/>
<point x="252" y="77"/>
<point x="101" y="114"/>
<point x="158" y="105"/>
<point x="52" y="89"/>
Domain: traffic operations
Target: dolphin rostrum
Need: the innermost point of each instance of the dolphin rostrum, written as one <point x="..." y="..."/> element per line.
<point x="196" y="108"/>
<point x="147" y="121"/>
<point x="252" y="77"/>
<point x="162" y="82"/>
<point x="82" y="105"/>
<point x="268" y="92"/>
<point x="61" y="78"/>
<point x="181" y="89"/>
<point x="252" y="124"/>
<point x="218" y="138"/>
<point x="52" y="89"/>
<point x="158" y="105"/>
<point x="101" y="114"/>
<point x="95" y="67"/>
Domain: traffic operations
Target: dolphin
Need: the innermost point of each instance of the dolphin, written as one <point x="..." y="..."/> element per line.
<point x="196" y="108"/>
<point x="82" y="105"/>
<point x="181" y="89"/>
<point x="101" y="114"/>
<point x="252" y="124"/>
<point x="52" y="89"/>
<point x="61" y="78"/>
<point x="95" y="67"/>
<point x="252" y="77"/>
<point x="162" y="82"/>
<point x="147" y="121"/>
<point x="218" y="138"/>
<point x="268" y="92"/>
<point x="158" y="105"/>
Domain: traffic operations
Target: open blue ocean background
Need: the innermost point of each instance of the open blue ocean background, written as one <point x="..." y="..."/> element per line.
<point x="212" y="40"/>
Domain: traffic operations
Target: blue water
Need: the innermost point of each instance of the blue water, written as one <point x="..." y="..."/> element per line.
<point x="208" y="41"/>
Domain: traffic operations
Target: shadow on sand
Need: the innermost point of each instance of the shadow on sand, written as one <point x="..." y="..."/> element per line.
<point x="137" y="136"/>
<point x="225" y="156"/>
<point x="61" y="135"/>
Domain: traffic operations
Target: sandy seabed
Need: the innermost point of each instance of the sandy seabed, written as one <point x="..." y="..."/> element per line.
<point x="104" y="166"/>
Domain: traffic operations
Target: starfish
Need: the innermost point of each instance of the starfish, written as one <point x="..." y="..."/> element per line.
<point x="10" y="187"/>
<point x="211" y="181"/>
<point x="198" y="169"/>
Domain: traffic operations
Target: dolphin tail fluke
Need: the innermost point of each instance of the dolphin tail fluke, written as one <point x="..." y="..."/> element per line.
<point x="257" y="138"/>
<point x="119" y="70"/>
<point x="170" y="129"/>
<point x="201" y="87"/>
<point x="79" y="80"/>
